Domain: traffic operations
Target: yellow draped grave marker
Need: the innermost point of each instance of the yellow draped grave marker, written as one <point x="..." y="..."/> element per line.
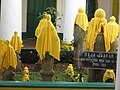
<point x="97" y="39"/>
<point x="48" y="40"/>
<point x="8" y="62"/>
<point x="81" y="19"/>
<point x="113" y="28"/>
<point x="26" y="74"/>
<point x="70" y="70"/>
<point x="80" y="28"/>
<point x="109" y="74"/>
<point x="48" y="47"/>
<point x="1" y="44"/>
<point x="16" y="42"/>
<point x="7" y="57"/>
<point x="96" y="25"/>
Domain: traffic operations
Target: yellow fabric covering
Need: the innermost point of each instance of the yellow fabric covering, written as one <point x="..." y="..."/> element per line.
<point x="1" y="47"/>
<point x="81" y="19"/>
<point x="67" y="45"/>
<point x="1" y="44"/>
<point x="109" y="74"/>
<point x="95" y="27"/>
<point x="70" y="70"/>
<point x="7" y="57"/>
<point x="48" y="40"/>
<point x="40" y="25"/>
<point x="16" y="42"/>
<point x="113" y="28"/>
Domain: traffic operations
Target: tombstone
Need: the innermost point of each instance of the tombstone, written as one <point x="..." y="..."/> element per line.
<point x="80" y="27"/>
<point x="17" y="44"/>
<point x="48" y="48"/>
<point x="97" y="40"/>
<point x="79" y="36"/>
<point x="99" y="46"/>
<point x="9" y="61"/>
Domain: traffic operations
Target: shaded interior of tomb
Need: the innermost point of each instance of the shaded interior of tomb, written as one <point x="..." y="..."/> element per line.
<point x="29" y="54"/>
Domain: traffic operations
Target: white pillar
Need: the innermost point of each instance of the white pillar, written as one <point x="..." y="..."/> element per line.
<point x="71" y="9"/>
<point x="117" y="85"/>
<point x="61" y="10"/>
<point x="107" y="6"/>
<point x="24" y="15"/>
<point x="11" y="18"/>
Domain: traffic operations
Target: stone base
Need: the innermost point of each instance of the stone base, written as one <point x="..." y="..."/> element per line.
<point x="19" y="63"/>
<point x="9" y="74"/>
<point x="76" y="63"/>
<point x="19" y="66"/>
<point x="47" y="76"/>
<point x="95" y="75"/>
<point x="47" y="68"/>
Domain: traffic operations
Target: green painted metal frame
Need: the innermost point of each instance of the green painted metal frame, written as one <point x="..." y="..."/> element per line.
<point x="19" y="84"/>
<point x="90" y="7"/>
<point x="24" y="35"/>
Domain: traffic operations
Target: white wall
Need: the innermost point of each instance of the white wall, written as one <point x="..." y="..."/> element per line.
<point x="107" y="6"/>
<point x="11" y="18"/>
<point x="71" y="9"/>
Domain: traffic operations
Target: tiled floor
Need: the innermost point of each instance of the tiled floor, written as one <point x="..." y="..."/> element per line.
<point x="29" y="43"/>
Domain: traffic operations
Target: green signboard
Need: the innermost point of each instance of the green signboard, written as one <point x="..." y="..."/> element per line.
<point x="98" y="60"/>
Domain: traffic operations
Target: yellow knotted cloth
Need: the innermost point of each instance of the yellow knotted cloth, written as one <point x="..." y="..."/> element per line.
<point x="113" y="28"/>
<point x="109" y="74"/>
<point x="81" y="19"/>
<point x="97" y="24"/>
<point x="48" y="41"/>
<point x="40" y="25"/>
<point x="16" y="42"/>
<point x="7" y="57"/>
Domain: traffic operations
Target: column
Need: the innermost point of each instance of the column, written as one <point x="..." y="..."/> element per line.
<point x="60" y="9"/>
<point x="24" y="15"/>
<point x="11" y="18"/>
<point x="107" y="6"/>
<point x="71" y="9"/>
